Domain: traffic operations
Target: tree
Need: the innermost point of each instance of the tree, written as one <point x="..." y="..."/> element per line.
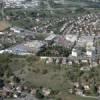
<point x="16" y="79"/>
<point x="39" y="93"/>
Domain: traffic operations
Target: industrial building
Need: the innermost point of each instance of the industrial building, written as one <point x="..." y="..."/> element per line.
<point x="27" y="48"/>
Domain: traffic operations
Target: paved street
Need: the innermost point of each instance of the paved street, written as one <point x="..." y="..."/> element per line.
<point x="28" y="97"/>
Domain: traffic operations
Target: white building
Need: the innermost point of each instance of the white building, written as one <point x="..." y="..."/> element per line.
<point x="50" y="37"/>
<point x="89" y="53"/>
<point x="16" y="29"/>
<point x="74" y="53"/>
<point x="71" y="38"/>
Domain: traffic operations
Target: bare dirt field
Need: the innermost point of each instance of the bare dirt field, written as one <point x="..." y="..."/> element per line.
<point x="3" y="25"/>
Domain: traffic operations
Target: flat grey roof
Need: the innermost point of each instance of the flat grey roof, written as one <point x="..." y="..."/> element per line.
<point x="28" y="47"/>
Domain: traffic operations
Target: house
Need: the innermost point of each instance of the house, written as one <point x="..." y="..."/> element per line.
<point x="70" y="62"/>
<point x="76" y="84"/>
<point x="64" y="61"/>
<point x="49" y="60"/>
<point x="57" y="61"/>
<point x="86" y="87"/>
<point x="46" y="92"/>
<point x="33" y="91"/>
<point x="79" y="92"/>
<point x="89" y="45"/>
<point x="76" y="61"/>
<point x="94" y="63"/>
<point x="85" y="68"/>
<point x="90" y="53"/>
<point x="75" y="52"/>
<point x="84" y="61"/>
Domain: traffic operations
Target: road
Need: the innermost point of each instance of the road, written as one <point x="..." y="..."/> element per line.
<point x="27" y="97"/>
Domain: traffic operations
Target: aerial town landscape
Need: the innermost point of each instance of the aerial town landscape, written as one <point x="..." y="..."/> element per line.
<point x="49" y="49"/>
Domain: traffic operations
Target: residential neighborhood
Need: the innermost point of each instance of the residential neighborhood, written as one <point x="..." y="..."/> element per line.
<point x="49" y="50"/>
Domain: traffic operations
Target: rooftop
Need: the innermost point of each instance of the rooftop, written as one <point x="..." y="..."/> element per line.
<point x="50" y="37"/>
<point x="71" y="38"/>
<point x="22" y="32"/>
<point x="27" y="48"/>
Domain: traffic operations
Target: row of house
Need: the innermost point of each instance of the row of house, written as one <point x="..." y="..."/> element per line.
<point x="71" y="60"/>
<point x="13" y="90"/>
<point x="84" y="89"/>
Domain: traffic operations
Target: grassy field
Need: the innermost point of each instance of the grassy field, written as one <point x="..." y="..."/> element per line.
<point x="34" y="72"/>
<point x="73" y="97"/>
